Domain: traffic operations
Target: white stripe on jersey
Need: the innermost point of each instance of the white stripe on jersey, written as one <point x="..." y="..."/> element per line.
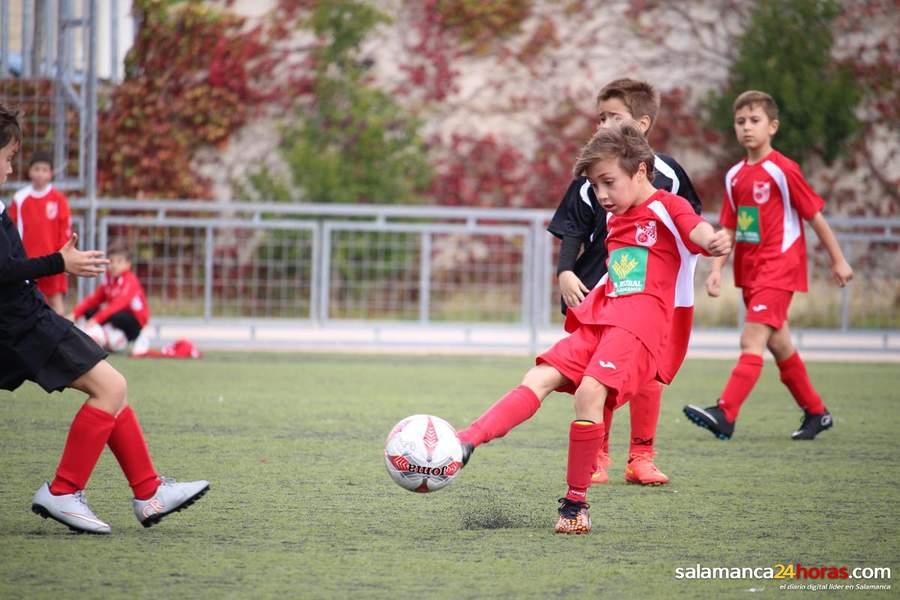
<point x="583" y="192"/>
<point x="2" y="207"/>
<point x="663" y="167"/>
<point x="729" y="178"/>
<point x="790" y="231"/>
<point x="684" y="284"/>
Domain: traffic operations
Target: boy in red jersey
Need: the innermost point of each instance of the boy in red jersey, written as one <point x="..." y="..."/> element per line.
<point x="36" y="344"/>
<point x="580" y="221"/>
<point x="766" y="201"/>
<point x="117" y="310"/>
<point x="41" y="214"/>
<point x="631" y="330"/>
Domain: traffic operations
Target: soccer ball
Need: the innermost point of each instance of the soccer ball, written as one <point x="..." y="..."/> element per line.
<point x="422" y="453"/>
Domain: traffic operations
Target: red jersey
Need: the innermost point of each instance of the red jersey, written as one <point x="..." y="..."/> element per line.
<point x="42" y="218"/>
<point x="764" y="204"/>
<point x="124" y="292"/>
<point x="649" y="285"/>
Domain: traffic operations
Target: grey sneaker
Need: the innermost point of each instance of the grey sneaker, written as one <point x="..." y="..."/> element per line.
<point x="170" y="497"/>
<point x="71" y="510"/>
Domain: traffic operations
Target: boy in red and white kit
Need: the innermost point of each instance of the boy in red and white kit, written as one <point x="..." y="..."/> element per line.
<point x="117" y="311"/>
<point x="766" y="201"/>
<point x="41" y="214"/>
<point x="632" y="329"/>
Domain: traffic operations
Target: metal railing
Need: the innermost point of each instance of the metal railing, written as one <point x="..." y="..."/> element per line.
<point x="376" y="265"/>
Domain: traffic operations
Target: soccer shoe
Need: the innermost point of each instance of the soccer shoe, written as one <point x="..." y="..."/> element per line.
<point x="71" y="510"/>
<point x="812" y="426"/>
<point x="600" y="474"/>
<point x="574" y="517"/>
<point x="170" y="497"/>
<point x="467" y="450"/>
<point x="641" y="470"/>
<point x="711" y="418"/>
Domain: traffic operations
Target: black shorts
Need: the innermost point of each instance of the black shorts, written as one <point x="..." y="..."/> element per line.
<point x="124" y="320"/>
<point x="75" y="355"/>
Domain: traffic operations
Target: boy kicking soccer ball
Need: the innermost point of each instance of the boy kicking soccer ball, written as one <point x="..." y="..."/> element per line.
<point x="631" y="330"/>
<point x="37" y="344"/>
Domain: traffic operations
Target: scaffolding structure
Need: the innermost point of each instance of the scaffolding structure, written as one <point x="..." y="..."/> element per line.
<point x="48" y="58"/>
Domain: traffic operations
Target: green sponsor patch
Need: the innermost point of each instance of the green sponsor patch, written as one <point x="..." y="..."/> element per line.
<point x="748" y="225"/>
<point x="628" y="270"/>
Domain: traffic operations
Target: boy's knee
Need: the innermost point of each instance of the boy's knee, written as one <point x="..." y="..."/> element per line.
<point x="113" y="392"/>
<point x="590" y="395"/>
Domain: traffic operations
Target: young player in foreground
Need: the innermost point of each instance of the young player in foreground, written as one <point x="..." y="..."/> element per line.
<point x="632" y="329"/>
<point x="580" y="222"/>
<point x="766" y="196"/>
<point x="36" y="344"/>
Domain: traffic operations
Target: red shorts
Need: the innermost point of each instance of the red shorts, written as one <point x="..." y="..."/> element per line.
<point x="54" y="284"/>
<point x="767" y="306"/>
<point x="611" y="355"/>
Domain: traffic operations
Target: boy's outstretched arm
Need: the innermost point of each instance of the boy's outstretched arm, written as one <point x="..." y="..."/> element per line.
<point x="840" y="268"/>
<point x="717" y="244"/>
<point x="714" y="279"/>
<point x="83" y="263"/>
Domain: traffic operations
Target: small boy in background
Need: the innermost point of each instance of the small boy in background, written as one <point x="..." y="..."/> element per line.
<point x="766" y="201"/>
<point x="41" y="214"/>
<point x="117" y="311"/>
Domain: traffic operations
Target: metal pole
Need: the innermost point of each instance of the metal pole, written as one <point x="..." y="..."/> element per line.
<point x="29" y="43"/>
<point x="90" y="123"/>
<point x="4" y="39"/>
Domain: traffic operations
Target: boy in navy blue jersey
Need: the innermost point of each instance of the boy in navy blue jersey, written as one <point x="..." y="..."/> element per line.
<point x="36" y="344"/>
<point x="580" y="222"/>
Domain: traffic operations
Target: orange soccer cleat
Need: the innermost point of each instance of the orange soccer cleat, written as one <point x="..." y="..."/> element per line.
<point x="600" y="475"/>
<point x="641" y="470"/>
<point x="574" y="517"/>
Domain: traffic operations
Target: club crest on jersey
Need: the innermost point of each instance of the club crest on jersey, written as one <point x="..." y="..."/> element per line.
<point x="646" y="234"/>
<point x="761" y="191"/>
<point x="52" y="210"/>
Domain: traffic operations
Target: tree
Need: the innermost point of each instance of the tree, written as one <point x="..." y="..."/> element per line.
<point x="786" y="52"/>
<point x="351" y="142"/>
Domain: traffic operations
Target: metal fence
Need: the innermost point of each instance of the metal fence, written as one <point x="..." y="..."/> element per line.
<point x="272" y="266"/>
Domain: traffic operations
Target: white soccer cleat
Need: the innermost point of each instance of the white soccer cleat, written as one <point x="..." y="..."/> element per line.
<point x="170" y="497"/>
<point x="141" y="345"/>
<point x="116" y="340"/>
<point x="71" y="510"/>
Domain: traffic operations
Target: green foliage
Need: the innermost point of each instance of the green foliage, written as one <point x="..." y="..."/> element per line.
<point x="351" y="142"/>
<point x="786" y="52"/>
<point x="301" y="506"/>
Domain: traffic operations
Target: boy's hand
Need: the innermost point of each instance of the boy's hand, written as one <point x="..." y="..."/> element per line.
<point x="571" y="288"/>
<point x="714" y="283"/>
<point x="88" y="263"/>
<point x="719" y="244"/>
<point x="842" y="272"/>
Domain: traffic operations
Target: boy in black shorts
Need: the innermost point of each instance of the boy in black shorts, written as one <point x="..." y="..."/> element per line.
<point x="36" y="344"/>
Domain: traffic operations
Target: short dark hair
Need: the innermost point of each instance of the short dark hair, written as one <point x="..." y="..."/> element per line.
<point x="640" y="97"/>
<point x="41" y="156"/>
<point x="753" y="98"/>
<point x="10" y="129"/>
<point x="118" y="249"/>
<point x="623" y="142"/>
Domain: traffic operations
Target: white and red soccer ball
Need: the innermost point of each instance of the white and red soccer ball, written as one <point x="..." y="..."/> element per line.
<point x="423" y="454"/>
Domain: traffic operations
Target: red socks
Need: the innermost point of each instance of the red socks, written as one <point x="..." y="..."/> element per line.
<point x="516" y="407"/>
<point x="88" y="434"/>
<point x="585" y="439"/>
<point x="795" y="377"/>
<point x="644" y="418"/>
<point x="743" y="377"/>
<point x="130" y="449"/>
